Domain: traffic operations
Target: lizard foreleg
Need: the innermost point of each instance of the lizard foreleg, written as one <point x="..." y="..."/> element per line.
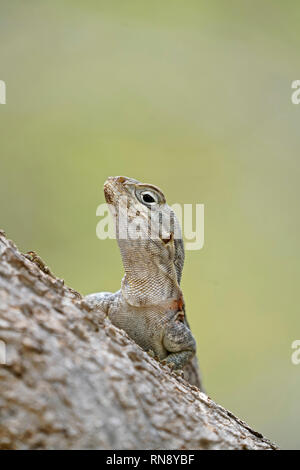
<point x="103" y="300"/>
<point x="180" y="343"/>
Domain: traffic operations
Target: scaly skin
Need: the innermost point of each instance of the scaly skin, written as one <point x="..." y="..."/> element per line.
<point x="149" y="306"/>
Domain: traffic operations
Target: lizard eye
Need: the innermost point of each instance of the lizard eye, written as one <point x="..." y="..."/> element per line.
<point x="147" y="197"/>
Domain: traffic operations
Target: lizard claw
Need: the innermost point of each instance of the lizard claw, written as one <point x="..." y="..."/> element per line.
<point x="179" y="372"/>
<point x="171" y="365"/>
<point x="151" y="353"/>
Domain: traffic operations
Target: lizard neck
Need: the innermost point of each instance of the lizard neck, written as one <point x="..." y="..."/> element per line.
<point x="150" y="274"/>
<point x="140" y="291"/>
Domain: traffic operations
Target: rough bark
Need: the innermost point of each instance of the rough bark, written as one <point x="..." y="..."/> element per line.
<point x="73" y="380"/>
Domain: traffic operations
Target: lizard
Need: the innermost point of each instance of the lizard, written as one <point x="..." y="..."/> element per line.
<point x="149" y="306"/>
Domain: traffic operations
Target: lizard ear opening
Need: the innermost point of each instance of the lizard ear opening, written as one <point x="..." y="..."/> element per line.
<point x="180" y="317"/>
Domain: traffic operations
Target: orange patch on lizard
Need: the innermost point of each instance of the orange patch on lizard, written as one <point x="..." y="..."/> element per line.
<point x="177" y="304"/>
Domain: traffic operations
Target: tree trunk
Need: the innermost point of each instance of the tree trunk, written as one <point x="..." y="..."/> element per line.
<point x="73" y="380"/>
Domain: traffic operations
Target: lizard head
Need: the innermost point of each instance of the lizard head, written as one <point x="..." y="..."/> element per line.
<point x="148" y="232"/>
<point x="144" y="209"/>
<point x="147" y="194"/>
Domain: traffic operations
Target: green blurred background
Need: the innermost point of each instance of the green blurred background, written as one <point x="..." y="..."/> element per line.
<point x="194" y="97"/>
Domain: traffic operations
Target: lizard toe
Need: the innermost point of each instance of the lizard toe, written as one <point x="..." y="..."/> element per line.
<point x="151" y="353"/>
<point x="171" y="365"/>
<point x="179" y="372"/>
